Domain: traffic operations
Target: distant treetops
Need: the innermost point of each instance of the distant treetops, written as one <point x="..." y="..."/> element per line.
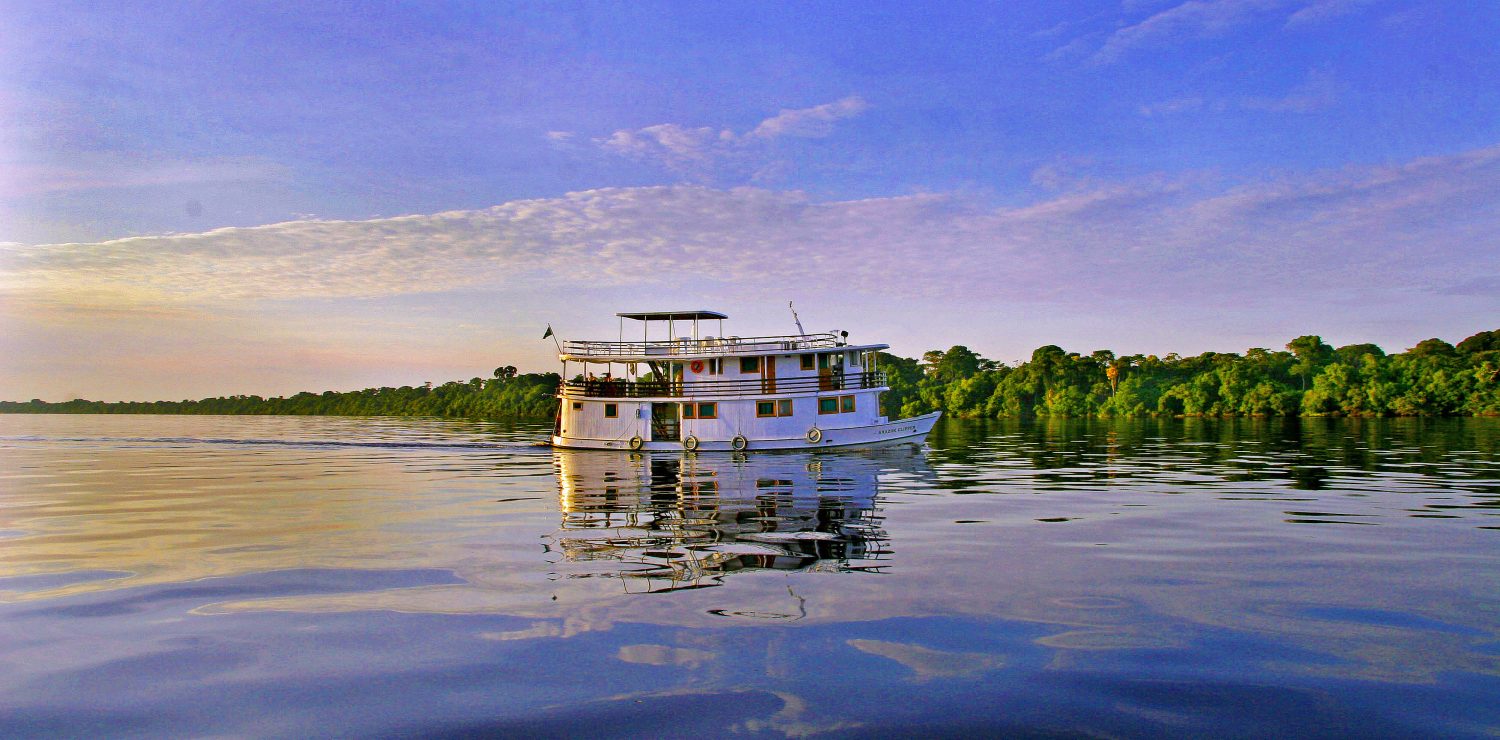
<point x="1311" y="378"/>
<point x="506" y="395"/>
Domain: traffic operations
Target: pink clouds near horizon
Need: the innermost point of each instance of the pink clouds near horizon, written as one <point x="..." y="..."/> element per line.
<point x="1356" y="237"/>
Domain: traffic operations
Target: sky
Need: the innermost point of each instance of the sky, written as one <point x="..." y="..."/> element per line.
<point x="203" y="199"/>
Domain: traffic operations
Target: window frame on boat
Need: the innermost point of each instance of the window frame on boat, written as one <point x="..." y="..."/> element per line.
<point x="611" y="410"/>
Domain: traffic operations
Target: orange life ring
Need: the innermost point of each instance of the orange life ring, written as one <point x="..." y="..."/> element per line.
<point x="697" y="366"/>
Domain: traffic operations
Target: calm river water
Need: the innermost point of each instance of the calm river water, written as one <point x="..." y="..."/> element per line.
<point x="273" y="576"/>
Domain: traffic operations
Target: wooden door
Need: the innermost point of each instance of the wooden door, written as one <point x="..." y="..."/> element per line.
<point x="768" y="374"/>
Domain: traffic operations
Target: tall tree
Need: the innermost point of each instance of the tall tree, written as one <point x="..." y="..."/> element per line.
<point x="1310" y="352"/>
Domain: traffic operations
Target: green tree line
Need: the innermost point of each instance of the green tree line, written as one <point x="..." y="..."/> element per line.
<point x="506" y="395"/>
<point x="1309" y="378"/>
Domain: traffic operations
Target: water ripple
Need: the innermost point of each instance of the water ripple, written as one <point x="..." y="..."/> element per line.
<point x="281" y="576"/>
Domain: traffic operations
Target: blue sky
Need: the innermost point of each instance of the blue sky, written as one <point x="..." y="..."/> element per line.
<point x="199" y="199"/>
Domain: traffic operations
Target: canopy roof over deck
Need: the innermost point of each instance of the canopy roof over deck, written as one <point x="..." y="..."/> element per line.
<point x="688" y="350"/>
<point x="672" y="315"/>
<point x="692" y="347"/>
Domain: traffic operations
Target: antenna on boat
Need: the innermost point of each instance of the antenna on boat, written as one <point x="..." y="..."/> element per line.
<point x="800" y="330"/>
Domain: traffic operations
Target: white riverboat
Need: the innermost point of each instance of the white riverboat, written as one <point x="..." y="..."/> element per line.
<point x="715" y="392"/>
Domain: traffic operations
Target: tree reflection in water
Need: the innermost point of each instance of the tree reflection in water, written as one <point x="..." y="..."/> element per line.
<point x="671" y="521"/>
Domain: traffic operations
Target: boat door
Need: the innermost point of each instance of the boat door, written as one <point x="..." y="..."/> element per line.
<point x="768" y="374"/>
<point x="830" y="371"/>
<point x="665" y="426"/>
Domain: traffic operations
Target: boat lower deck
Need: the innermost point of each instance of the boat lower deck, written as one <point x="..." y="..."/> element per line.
<point x="913" y="430"/>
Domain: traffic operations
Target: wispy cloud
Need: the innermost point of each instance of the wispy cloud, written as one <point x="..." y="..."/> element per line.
<point x="308" y="303"/>
<point x="1368" y="224"/>
<point x="683" y="149"/>
<point x="99" y="171"/>
<point x="1321" y="11"/>
<point x="1201" y="19"/>
<point x="1078" y="48"/>
<point x="697" y="150"/>
<point x="1482" y="286"/>
<point x="1195" y="18"/>
<point x="814" y="122"/>
<point x="1319" y="91"/>
<point x="1170" y="107"/>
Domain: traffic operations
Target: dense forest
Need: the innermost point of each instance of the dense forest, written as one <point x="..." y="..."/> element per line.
<point x="1309" y="378"/>
<point x="506" y="395"/>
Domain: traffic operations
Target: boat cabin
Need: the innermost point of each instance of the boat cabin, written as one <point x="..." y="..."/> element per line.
<point x="685" y="384"/>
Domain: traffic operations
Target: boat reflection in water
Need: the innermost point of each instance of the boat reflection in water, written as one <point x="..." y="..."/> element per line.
<point x="664" y="521"/>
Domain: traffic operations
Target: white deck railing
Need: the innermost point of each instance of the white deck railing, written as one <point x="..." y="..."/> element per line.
<point x="711" y="346"/>
<point x="721" y="388"/>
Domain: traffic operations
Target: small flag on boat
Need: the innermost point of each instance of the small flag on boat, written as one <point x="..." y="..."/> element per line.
<point x="549" y="332"/>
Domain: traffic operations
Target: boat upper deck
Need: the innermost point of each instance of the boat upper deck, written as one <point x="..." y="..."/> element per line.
<point x="621" y="388"/>
<point x="709" y="347"/>
<point x="694" y="346"/>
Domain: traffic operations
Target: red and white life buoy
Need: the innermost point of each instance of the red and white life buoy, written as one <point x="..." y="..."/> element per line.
<point x="697" y="366"/>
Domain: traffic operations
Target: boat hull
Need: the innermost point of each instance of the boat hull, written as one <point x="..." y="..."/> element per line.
<point x="901" y="431"/>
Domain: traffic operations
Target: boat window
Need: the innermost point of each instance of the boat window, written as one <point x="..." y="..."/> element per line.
<point x="784" y="407"/>
<point x="854" y="359"/>
<point x="829" y="405"/>
<point x="749" y="364"/>
<point x="687" y="411"/>
<point x="577" y="405"/>
<point x="765" y="408"/>
<point x="716" y="366"/>
<point x="708" y="411"/>
<point x="846" y="404"/>
<point x="611" y="410"/>
<point x="807" y="362"/>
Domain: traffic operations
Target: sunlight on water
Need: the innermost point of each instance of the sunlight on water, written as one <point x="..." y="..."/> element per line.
<point x="295" y="576"/>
